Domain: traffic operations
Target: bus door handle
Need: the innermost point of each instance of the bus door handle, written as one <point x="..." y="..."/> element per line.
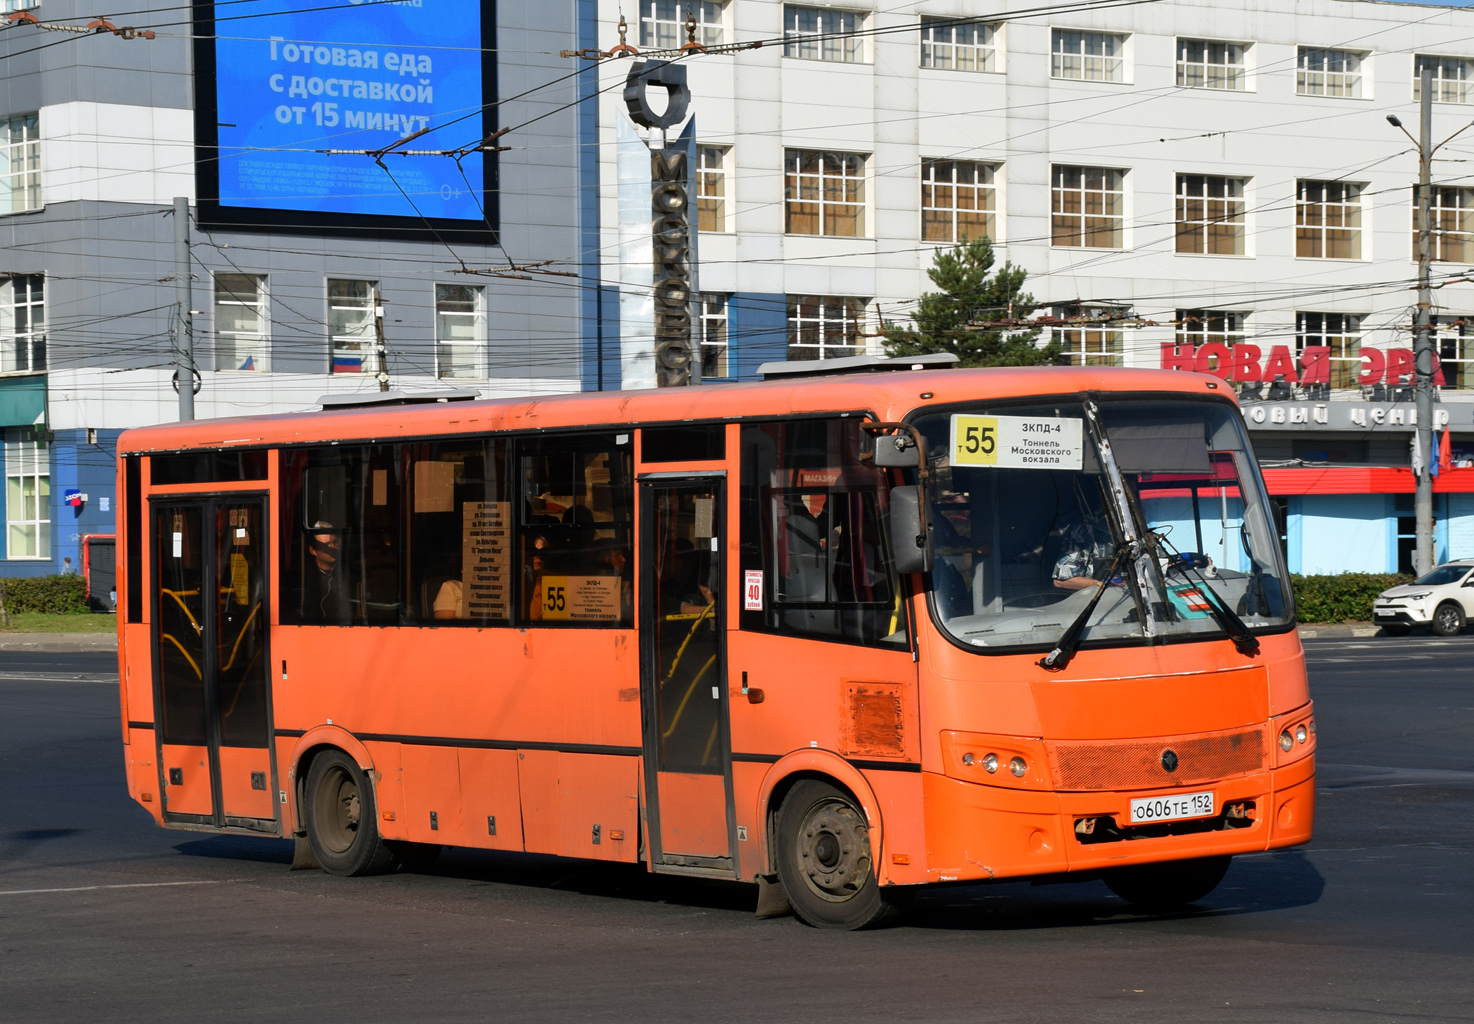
<point x="752" y="693"/>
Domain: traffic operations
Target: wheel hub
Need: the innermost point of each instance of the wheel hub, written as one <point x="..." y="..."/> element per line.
<point x="834" y="851"/>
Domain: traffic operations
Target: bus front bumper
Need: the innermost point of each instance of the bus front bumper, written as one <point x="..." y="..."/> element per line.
<point x="979" y="832"/>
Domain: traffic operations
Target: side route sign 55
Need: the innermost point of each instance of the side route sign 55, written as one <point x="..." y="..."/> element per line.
<point x="1017" y="442"/>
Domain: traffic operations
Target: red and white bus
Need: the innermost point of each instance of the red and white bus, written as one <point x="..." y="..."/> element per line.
<point x="841" y="635"/>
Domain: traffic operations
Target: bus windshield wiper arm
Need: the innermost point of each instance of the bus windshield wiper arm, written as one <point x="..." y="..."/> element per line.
<point x="1069" y="641"/>
<point x="1226" y="617"/>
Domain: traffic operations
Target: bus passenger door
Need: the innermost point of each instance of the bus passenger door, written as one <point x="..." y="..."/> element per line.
<point x="687" y="744"/>
<point x="210" y="633"/>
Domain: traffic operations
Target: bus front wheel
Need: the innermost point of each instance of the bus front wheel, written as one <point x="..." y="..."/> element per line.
<point x="825" y="861"/>
<point x="342" y="821"/>
<point x="1169" y="885"/>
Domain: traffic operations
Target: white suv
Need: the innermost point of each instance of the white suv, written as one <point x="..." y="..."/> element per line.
<point x="1443" y="600"/>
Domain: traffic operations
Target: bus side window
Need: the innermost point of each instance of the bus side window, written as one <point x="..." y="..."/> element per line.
<point x="574" y="531"/>
<point x="340" y="536"/>
<point x="812" y="517"/>
<point x="458" y="568"/>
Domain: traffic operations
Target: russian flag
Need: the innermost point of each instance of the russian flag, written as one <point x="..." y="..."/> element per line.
<point x="249" y="364"/>
<point x="347" y="363"/>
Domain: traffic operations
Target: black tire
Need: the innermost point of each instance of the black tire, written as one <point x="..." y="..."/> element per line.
<point x="1448" y="619"/>
<point x="1170" y="885"/>
<point x="1396" y="629"/>
<point x="825" y="861"/>
<point x="413" y="857"/>
<point x="342" y="818"/>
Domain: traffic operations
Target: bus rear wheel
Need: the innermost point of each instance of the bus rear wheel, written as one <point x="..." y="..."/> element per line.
<point x="825" y="860"/>
<point x="1170" y="885"/>
<point x="341" y="818"/>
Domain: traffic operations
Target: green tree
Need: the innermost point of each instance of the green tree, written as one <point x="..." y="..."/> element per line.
<point x="970" y="295"/>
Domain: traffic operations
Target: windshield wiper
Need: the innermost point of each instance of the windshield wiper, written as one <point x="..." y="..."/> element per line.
<point x="1069" y="641"/>
<point x="1227" y="619"/>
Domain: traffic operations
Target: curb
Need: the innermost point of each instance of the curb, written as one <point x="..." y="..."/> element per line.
<point x="59" y="642"/>
<point x="1338" y="630"/>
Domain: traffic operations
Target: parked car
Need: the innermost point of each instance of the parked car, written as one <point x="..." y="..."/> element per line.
<point x="1443" y="600"/>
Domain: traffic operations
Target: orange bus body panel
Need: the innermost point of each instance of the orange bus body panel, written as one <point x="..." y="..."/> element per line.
<point x="531" y="738"/>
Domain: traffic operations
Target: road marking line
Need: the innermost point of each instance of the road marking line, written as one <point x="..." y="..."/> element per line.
<point x="59" y="677"/>
<point x="128" y="885"/>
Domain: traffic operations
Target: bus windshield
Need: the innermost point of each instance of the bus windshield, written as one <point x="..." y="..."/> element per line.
<point x="1155" y="506"/>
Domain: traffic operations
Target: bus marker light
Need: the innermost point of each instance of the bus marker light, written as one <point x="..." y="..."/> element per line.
<point x="1286" y="740"/>
<point x="900" y="858"/>
<point x="148" y="798"/>
<point x="1300" y="734"/>
<point x="990" y="763"/>
<point x="967" y="759"/>
<point x="387" y="815"/>
<point x="1018" y="766"/>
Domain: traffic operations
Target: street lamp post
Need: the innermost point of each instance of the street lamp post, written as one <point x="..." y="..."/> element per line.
<point x="1423" y="361"/>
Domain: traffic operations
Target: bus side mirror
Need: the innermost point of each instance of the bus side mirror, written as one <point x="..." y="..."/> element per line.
<point x="895" y="451"/>
<point x="911" y="550"/>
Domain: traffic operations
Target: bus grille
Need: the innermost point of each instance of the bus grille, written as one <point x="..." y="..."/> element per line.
<point x="1113" y="765"/>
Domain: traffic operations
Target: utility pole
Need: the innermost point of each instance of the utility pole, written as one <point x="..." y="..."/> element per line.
<point x="184" y="375"/>
<point x="383" y="374"/>
<point x="1423" y="325"/>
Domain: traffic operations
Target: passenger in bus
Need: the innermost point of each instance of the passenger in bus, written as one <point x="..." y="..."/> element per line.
<point x="325" y="595"/>
<point x="1087" y="556"/>
<point x="448" y="600"/>
<point x="532" y="574"/>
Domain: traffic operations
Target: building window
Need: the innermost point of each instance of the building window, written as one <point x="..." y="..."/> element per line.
<point x="20" y="163"/>
<point x="1207" y="65"/>
<point x="1453" y="78"/>
<point x="27" y="496"/>
<point x="1341" y="333"/>
<point x="1328" y="73"/>
<point x="711" y="188"/>
<point x="1088" y="56"/>
<point x="958" y="200"/>
<point x="1210" y="215"/>
<point x="823" y="326"/>
<point x="458" y="331"/>
<point x="713" y="335"/>
<point x="1328" y="220"/>
<point x="1089" y="207"/>
<point x="351" y="324"/>
<point x="821" y="33"/>
<point x="23" y="324"/>
<point x="663" y="23"/>
<point x="240" y="322"/>
<point x="958" y="45"/>
<point x="10" y="6"/>
<point x="1092" y="340"/>
<point x="1455" y="353"/>
<point x="1452" y="216"/>
<point x="824" y="193"/>
<point x="1199" y="327"/>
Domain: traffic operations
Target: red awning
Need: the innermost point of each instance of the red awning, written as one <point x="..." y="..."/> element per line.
<point x="1362" y="480"/>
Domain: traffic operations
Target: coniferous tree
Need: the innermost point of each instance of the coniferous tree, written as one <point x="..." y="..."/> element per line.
<point x="970" y="295"/>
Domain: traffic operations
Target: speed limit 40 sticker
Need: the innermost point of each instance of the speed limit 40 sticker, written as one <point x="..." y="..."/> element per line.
<point x="1017" y="442"/>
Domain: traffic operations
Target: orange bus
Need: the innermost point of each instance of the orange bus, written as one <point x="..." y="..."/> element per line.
<point x="840" y="634"/>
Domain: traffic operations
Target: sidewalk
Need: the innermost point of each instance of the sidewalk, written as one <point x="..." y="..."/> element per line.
<point x="58" y="641"/>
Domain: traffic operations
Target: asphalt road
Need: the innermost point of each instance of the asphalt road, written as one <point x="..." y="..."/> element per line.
<point x="106" y="918"/>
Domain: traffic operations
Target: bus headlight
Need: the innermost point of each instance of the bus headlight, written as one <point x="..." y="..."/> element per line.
<point x="1300" y="734"/>
<point x="990" y="763"/>
<point x="1286" y="740"/>
<point x="1018" y="766"/>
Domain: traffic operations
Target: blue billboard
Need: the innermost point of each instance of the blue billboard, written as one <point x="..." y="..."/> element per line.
<point x="277" y="89"/>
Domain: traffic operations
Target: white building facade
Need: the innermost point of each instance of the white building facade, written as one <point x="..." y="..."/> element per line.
<point x="1218" y="174"/>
